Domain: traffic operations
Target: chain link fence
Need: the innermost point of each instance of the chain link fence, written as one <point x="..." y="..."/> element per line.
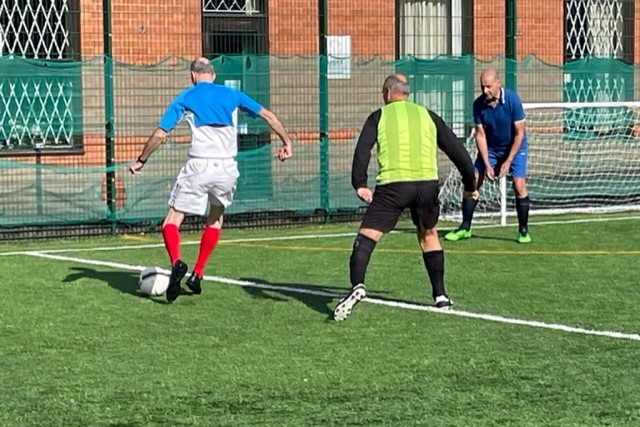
<point x="83" y="84"/>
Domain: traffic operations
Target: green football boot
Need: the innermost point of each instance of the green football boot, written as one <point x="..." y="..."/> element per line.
<point x="459" y="234"/>
<point x="524" y="237"/>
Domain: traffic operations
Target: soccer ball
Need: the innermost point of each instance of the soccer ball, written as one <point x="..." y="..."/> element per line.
<point x="153" y="281"/>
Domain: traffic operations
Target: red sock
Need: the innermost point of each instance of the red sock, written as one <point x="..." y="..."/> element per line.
<point x="171" y="236"/>
<point x="208" y="242"/>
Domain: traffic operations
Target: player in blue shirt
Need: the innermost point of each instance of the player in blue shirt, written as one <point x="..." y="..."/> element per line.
<point x="502" y="148"/>
<point x="209" y="177"/>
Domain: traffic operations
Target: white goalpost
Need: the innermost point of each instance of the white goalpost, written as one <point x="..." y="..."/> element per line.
<point x="584" y="157"/>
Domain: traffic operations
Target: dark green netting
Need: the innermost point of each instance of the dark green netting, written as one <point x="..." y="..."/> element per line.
<point x="52" y="123"/>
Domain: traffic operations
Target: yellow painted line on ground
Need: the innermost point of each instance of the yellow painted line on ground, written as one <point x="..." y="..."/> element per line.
<point x="413" y="251"/>
<point x="137" y="238"/>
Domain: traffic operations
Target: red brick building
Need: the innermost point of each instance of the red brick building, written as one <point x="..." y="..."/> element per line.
<point x="146" y="32"/>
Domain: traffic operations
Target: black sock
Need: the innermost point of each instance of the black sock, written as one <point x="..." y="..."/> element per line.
<point x="434" y="263"/>
<point x="468" y="207"/>
<point x="360" y="256"/>
<point x="522" y="208"/>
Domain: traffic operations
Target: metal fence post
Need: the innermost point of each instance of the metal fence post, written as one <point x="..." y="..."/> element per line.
<point x="109" y="131"/>
<point x="511" y="23"/>
<point x="323" y="99"/>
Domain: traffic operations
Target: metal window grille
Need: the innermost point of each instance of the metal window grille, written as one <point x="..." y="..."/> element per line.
<point x="34" y="28"/>
<point x="595" y="28"/>
<point x="36" y="110"/>
<point x="247" y="7"/>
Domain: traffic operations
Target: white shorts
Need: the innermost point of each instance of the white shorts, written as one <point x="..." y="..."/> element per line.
<point x="202" y="182"/>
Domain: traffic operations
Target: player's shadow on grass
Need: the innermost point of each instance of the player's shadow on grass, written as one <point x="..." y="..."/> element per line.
<point x="318" y="298"/>
<point x="503" y="239"/>
<point x="122" y="281"/>
<point x="442" y="232"/>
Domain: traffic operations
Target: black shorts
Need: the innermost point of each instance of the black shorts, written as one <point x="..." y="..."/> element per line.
<point x="389" y="200"/>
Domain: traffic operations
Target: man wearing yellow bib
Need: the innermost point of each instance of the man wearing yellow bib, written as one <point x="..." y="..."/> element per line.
<point x="406" y="136"/>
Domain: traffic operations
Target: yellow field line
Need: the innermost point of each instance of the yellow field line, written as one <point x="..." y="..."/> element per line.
<point x="137" y="238"/>
<point x="413" y="251"/>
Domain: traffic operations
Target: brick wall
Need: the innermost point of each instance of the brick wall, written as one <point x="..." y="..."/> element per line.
<point x="371" y="25"/>
<point x="293" y="30"/>
<point x="488" y="28"/>
<point x="143" y="32"/>
<point x="293" y="26"/>
<point x="541" y="30"/>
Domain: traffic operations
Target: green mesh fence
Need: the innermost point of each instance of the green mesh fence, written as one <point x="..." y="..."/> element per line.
<point x="53" y="146"/>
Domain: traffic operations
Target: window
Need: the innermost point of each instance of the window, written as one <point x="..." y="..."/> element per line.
<point x="427" y="29"/>
<point x="39" y="29"/>
<point x="604" y="29"/>
<point x="38" y="108"/>
<point x="231" y="27"/>
<point x="601" y="28"/>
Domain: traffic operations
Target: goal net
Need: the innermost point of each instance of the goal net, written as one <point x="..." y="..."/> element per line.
<point x="583" y="157"/>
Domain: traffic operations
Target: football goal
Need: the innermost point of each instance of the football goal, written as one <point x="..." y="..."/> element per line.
<point x="583" y="157"/>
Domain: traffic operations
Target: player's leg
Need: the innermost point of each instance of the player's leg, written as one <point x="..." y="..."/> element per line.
<point x="425" y="217"/>
<point x="518" y="172"/>
<point x="208" y="242"/>
<point x="220" y="182"/>
<point x="468" y="207"/>
<point x="171" y="233"/>
<point x="381" y="217"/>
<point x="186" y="197"/>
<point x="171" y="237"/>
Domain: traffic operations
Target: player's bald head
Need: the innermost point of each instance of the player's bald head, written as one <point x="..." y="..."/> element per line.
<point x="396" y="84"/>
<point x="201" y="66"/>
<point x="490" y="84"/>
<point x="489" y="75"/>
<point x="202" y="71"/>
<point x="395" y="87"/>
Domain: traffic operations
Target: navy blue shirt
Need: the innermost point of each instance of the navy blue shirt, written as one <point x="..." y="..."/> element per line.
<point x="498" y="121"/>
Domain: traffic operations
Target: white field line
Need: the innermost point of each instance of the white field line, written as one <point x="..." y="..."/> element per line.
<point x="373" y="300"/>
<point x="292" y="237"/>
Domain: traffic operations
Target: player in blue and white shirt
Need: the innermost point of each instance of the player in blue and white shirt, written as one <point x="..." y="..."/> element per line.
<point x="209" y="177"/>
<point x="501" y="140"/>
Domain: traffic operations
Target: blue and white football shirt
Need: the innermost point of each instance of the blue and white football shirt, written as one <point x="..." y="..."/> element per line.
<point x="210" y="110"/>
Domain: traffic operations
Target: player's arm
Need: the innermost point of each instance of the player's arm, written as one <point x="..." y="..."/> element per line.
<point x="362" y="156"/>
<point x="157" y="138"/>
<point x="169" y="120"/>
<point x="517" y="140"/>
<point x="518" y="117"/>
<point x="480" y="137"/>
<point x="481" y="144"/>
<point x="254" y="109"/>
<point x="274" y="123"/>
<point x="454" y="149"/>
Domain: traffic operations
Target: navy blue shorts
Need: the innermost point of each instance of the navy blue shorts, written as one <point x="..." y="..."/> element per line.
<point x="390" y="200"/>
<point x="518" y="167"/>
